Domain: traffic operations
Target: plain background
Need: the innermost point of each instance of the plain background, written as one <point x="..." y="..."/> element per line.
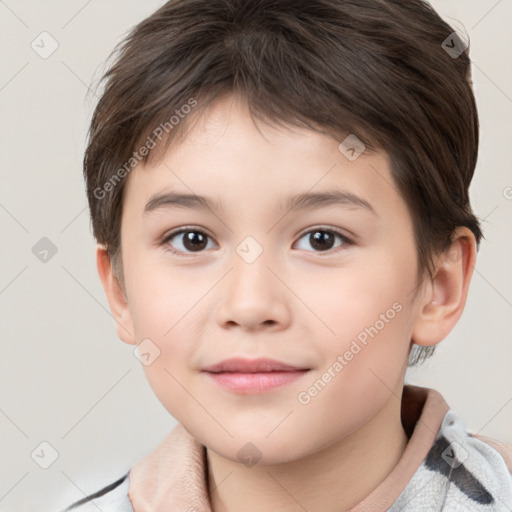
<point x="65" y="377"/>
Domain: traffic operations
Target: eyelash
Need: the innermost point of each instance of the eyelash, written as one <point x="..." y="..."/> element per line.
<point x="165" y="241"/>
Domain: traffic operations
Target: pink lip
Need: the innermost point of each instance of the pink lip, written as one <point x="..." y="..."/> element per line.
<point x="247" y="376"/>
<point x="246" y="383"/>
<point x="251" y="366"/>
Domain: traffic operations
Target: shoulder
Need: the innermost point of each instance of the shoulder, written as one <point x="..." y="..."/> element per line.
<point x="461" y="471"/>
<point x="504" y="449"/>
<point x="111" y="498"/>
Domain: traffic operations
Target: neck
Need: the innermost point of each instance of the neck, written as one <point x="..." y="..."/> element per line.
<point x="332" y="480"/>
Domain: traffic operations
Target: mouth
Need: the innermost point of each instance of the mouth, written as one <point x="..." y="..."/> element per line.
<point x="245" y="376"/>
<point x="261" y="365"/>
<point x="254" y="382"/>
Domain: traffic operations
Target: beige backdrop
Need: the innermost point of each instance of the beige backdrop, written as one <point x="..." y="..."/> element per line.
<point x="65" y="378"/>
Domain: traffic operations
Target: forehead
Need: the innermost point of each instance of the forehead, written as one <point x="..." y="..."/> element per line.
<point x="228" y="156"/>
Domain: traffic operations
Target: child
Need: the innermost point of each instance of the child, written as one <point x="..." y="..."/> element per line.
<point x="266" y="129"/>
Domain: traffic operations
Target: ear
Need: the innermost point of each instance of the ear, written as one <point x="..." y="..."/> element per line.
<point x="116" y="297"/>
<point x="442" y="304"/>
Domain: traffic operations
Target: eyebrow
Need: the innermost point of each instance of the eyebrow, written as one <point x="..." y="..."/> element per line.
<point x="170" y="199"/>
<point x="307" y="201"/>
<point x="311" y="201"/>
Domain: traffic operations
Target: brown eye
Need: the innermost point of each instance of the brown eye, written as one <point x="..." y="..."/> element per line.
<point x="322" y="240"/>
<point x="187" y="240"/>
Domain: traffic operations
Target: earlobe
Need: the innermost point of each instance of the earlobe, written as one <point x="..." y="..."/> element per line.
<point x="115" y="296"/>
<point x="442" y="305"/>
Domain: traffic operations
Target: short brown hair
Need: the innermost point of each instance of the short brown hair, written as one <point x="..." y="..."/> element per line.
<point x="374" y="68"/>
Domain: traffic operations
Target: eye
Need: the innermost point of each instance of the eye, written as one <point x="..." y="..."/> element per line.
<point x="323" y="239"/>
<point x="186" y="240"/>
<point x="189" y="240"/>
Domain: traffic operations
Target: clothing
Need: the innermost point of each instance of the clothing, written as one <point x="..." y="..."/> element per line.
<point x="444" y="467"/>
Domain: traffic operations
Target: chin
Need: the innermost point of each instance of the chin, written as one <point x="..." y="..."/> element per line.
<point x="250" y="450"/>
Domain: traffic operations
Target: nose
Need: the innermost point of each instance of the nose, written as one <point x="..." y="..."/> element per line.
<point x="252" y="297"/>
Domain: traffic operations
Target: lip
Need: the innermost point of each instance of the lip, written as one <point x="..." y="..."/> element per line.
<point x="242" y="365"/>
<point x="253" y="376"/>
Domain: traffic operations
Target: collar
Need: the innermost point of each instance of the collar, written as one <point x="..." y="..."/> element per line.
<point x="173" y="477"/>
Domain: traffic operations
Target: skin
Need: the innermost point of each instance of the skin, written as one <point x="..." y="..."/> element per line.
<point x="294" y="303"/>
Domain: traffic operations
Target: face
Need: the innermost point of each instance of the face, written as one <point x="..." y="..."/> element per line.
<point x="323" y="285"/>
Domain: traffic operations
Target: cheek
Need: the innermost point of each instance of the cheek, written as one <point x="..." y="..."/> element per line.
<point x="161" y="310"/>
<point x="363" y="364"/>
<point x="162" y="299"/>
<point x="169" y="373"/>
<point x="367" y="312"/>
